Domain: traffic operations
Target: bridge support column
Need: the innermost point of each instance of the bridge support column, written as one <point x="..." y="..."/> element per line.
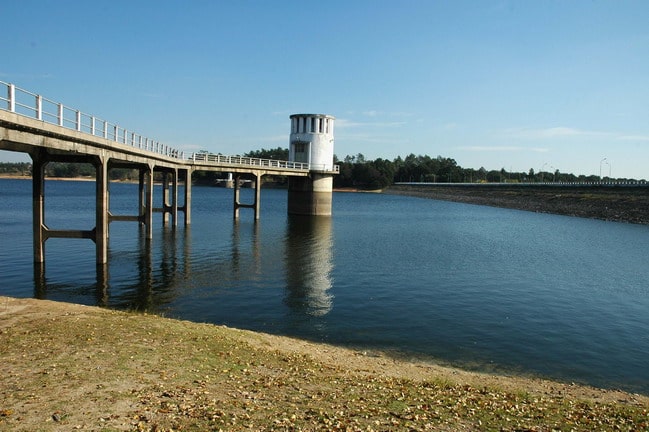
<point x="174" y="197"/>
<point x="141" y="213"/>
<point x="38" y="205"/>
<point x="257" y="201"/>
<point x="187" y="207"/>
<point x="170" y="192"/>
<point x="148" y="201"/>
<point x="101" y="217"/>
<point x="310" y="195"/>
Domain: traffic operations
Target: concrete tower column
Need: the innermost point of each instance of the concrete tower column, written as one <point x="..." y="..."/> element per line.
<point x="312" y="143"/>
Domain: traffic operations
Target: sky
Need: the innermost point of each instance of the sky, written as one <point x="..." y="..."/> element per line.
<point x="544" y="85"/>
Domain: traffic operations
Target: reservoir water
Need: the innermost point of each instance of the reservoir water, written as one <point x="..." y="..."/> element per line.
<point x="477" y="287"/>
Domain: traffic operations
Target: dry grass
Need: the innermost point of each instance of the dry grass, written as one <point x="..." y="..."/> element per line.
<point x="70" y="367"/>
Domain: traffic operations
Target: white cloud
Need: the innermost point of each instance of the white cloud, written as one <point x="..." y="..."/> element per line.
<point x="504" y="149"/>
<point x="633" y="138"/>
<point x="345" y="123"/>
<point x="552" y="132"/>
<point x="568" y="132"/>
<point x="367" y="138"/>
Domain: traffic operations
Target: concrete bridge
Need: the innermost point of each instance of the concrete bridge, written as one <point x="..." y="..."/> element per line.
<point x="51" y="132"/>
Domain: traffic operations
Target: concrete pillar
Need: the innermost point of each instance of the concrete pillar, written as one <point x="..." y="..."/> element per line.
<point x="165" y="198"/>
<point x="236" y="196"/>
<point x="229" y="183"/>
<point x="101" y="212"/>
<point x="38" y="205"/>
<point x="142" y="196"/>
<point x="257" y="203"/>
<point x="174" y="198"/>
<point x="257" y="200"/>
<point x="311" y="195"/>
<point x="148" y="212"/>
<point x="188" y="197"/>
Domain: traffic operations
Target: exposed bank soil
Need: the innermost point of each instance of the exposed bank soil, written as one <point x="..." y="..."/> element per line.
<point x="611" y="203"/>
<point x="67" y="367"/>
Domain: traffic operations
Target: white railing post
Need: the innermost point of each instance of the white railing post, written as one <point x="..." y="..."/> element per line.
<point x="11" y="96"/>
<point x="60" y="118"/>
<point x="78" y="120"/>
<point x="92" y="125"/>
<point x="39" y="107"/>
<point x="105" y="129"/>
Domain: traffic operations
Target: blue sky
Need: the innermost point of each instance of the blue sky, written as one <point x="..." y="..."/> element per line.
<point x="499" y="84"/>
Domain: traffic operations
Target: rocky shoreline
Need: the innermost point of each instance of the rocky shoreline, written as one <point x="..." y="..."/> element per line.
<point x="611" y="203"/>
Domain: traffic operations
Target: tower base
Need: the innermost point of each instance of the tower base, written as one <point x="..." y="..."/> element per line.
<point x="310" y="195"/>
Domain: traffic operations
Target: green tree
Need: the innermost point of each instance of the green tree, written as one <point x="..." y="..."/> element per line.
<point x="278" y="153"/>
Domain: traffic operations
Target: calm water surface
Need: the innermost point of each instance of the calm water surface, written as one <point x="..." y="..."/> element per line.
<point x="477" y="287"/>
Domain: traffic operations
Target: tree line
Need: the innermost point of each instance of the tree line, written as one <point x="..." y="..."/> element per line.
<point x="357" y="172"/>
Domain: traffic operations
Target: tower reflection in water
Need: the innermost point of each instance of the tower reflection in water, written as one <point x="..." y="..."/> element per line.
<point x="309" y="264"/>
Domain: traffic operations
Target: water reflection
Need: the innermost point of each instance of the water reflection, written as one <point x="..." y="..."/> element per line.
<point x="41" y="285"/>
<point x="309" y="264"/>
<point x="146" y="276"/>
<point x="237" y="256"/>
<point x="160" y="272"/>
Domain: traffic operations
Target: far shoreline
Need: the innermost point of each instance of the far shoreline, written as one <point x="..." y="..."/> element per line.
<point x="628" y="204"/>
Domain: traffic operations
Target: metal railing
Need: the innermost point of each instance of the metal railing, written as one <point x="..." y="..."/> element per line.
<point x="32" y="105"/>
<point x="28" y="104"/>
<point x="264" y="163"/>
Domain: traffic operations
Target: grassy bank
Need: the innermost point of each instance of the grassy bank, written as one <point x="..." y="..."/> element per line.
<point x="70" y="367"/>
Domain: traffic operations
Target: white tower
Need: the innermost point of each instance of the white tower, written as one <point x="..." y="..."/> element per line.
<point x="312" y="141"/>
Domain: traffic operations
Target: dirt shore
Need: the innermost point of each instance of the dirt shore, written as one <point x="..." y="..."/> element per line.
<point x="70" y="367"/>
<point x="611" y="203"/>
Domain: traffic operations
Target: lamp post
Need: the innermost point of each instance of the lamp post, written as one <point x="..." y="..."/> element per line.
<point x="600" y="168"/>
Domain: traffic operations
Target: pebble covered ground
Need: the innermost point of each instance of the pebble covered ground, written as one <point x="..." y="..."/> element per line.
<point x="70" y="367"/>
